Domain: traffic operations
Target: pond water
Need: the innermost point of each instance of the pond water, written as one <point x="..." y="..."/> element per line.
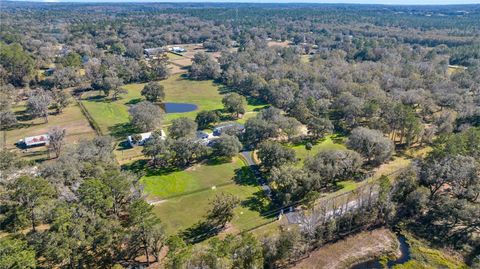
<point x="178" y="107"/>
<point x="376" y="264"/>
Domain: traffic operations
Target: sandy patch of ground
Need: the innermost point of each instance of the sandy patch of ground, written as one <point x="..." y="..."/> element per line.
<point x="229" y="229"/>
<point x="181" y="62"/>
<point x="283" y="44"/>
<point x="175" y="69"/>
<point x="353" y="248"/>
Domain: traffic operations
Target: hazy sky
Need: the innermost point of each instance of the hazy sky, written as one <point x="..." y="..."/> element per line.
<point x="386" y="2"/>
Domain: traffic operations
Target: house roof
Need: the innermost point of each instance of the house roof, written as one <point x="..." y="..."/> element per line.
<point x="36" y="140"/>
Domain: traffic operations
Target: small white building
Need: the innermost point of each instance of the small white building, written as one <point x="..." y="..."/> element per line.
<point x="177" y="49"/>
<point x="139" y="139"/>
<point x="37" y="140"/>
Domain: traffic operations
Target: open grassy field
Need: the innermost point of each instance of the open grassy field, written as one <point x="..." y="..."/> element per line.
<point x="112" y="116"/>
<point x="182" y="212"/>
<point x="201" y="176"/>
<point x="72" y="119"/>
<point x="328" y="143"/>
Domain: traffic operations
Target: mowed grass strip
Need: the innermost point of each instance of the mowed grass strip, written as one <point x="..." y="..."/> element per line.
<point x="180" y="213"/>
<point x="195" y="178"/>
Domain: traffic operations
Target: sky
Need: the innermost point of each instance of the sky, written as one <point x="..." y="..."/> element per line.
<point x="385" y="2"/>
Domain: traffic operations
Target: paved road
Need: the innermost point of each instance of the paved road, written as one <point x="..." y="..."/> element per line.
<point x="256" y="171"/>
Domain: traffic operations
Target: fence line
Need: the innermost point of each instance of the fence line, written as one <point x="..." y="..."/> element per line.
<point x="89" y="117"/>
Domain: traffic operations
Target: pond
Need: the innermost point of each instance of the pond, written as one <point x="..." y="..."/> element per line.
<point x="376" y="264"/>
<point x="178" y="107"/>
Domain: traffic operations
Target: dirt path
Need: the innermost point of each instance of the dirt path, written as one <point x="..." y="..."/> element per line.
<point x="344" y="253"/>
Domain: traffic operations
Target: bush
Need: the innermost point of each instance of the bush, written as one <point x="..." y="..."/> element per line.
<point x="308" y="146"/>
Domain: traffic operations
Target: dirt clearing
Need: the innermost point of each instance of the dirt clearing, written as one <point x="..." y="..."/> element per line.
<point x="348" y="251"/>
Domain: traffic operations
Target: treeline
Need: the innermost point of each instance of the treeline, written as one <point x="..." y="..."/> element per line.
<point x="79" y="211"/>
<point x="437" y="197"/>
<point x="406" y="93"/>
<point x="90" y="34"/>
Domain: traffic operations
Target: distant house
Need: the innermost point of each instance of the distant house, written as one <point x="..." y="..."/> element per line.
<point x="177" y="49"/>
<point x="217" y="131"/>
<point x="139" y="139"/>
<point x="37" y="140"/>
<point x="151" y="52"/>
<point x="203" y="138"/>
<point x="202" y="135"/>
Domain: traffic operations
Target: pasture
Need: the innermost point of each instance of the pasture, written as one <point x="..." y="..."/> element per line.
<point x="198" y="177"/>
<point x="187" y="194"/>
<point x="76" y="125"/>
<point x="183" y="212"/>
<point x="112" y="116"/>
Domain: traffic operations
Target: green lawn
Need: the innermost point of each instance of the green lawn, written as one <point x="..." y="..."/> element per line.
<point x="192" y="179"/>
<point x="327" y="143"/>
<point x="112" y="116"/>
<point x="183" y="212"/>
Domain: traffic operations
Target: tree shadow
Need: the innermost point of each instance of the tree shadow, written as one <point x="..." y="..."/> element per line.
<point x="222" y="89"/>
<point x="245" y="176"/>
<point x="137" y="166"/>
<point x="144" y="167"/>
<point x="258" y="202"/>
<point x="98" y="98"/>
<point x="304" y="142"/>
<point x="124" y="145"/>
<point x="226" y="117"/>
<point x="199" y="232"/>
<point x="21" y="125"/>
<point x="134" y="101"/>
<point x="122" y="130"/>
<point x="23" y="115"/>
<point x="337" y="139"/>
<point x="255" y="101"/>
<point x="217" y="161"/>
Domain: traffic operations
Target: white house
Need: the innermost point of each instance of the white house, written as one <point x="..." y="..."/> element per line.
<point x="139" y="139"/>
<point x="36" y="140"/>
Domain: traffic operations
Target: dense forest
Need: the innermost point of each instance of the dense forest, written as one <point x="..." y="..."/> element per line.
<point x="385" y="81"/>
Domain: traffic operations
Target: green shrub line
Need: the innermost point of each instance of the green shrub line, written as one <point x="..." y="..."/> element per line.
<point x="89" y="117"/>
<point x="176" y="53"/>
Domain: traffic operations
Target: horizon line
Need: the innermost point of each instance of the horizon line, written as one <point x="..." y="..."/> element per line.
<point x="331" y="2"/>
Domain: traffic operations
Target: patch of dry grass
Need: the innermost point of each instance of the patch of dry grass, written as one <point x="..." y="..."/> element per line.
<point x="343" y="253"/>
